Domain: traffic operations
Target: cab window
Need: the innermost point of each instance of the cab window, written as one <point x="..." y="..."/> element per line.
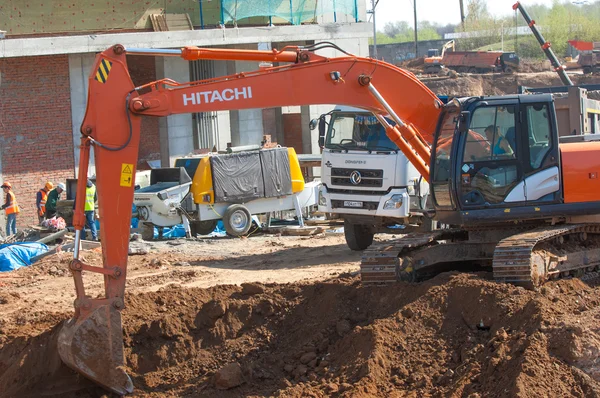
<point x="539" y="134"/>
<point x="491" y="135"/>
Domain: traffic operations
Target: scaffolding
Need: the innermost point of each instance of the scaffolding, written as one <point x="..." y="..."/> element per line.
<point x="295" y="12"/>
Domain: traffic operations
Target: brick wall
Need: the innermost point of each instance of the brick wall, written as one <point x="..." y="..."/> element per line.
<point x="292" y="131"/>
<point x="36" y="143"/>
<point x="143" y="70"/>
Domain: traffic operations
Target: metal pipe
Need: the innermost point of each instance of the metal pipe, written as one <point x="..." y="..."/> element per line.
<point x="387" y="106"/>
<point x="334" y="12"/>
<point x="76" y="244"/>
<point x="201" y="15"/>
<point x="409" y="133"/>
<point x="374" y="30"/>
<point x="416" y="36"/>
<point x="154" y="51"/>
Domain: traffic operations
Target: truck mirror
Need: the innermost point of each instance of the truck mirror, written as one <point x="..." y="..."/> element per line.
<point x="322" y="128"/>
<point x="463" y="122"/>
<point x="313" y="124"/>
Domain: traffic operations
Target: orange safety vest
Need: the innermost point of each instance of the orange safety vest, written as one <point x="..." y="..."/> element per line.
<point x="13" y="207"/>
<point x="43" y="200"/>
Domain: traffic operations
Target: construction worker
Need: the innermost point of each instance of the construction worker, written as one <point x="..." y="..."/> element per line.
<point x="11" y="208"/>
<point x="89" y="209"/>
<point x="53" y="197"/>
<point x="40" y="200"/>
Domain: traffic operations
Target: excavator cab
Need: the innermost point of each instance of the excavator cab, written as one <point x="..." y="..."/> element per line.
<point x="494" y="154"/>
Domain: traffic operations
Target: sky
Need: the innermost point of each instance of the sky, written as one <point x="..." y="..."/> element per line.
<point x="441" y="11"/>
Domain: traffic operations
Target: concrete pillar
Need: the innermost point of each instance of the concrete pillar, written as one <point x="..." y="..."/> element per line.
<point x="176" y="133"/>
<point x="80" y="66"/>
<point x="223" y="118"/>
<point x="246" y="124"/>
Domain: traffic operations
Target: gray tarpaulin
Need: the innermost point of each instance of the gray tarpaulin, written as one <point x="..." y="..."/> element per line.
<point x="241" y="177"/>
<point x="276" y="172"/>
<point x="237" y="177"/>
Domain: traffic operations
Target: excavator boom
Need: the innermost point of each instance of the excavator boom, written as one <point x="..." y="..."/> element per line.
<point x="545" y="45"/>
<point x="91" y="342"/>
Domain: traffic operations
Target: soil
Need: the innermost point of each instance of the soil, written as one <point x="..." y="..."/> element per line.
<point x="499" y="84"/>
<point x="285" y="334"/>
<point x="287" y="316"/>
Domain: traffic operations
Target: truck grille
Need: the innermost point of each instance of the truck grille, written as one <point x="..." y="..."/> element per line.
<point x="358" y="191"/>
<point x="339" y="204"/>
<point x="368" y="178"/>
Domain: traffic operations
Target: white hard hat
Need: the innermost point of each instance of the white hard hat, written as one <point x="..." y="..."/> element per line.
<point x="61" y="186"/>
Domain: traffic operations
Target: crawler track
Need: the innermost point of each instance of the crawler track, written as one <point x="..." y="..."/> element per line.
<point x="531" y="258"/>
<point x="528" y="258"/>
<point x="381" y="263"/>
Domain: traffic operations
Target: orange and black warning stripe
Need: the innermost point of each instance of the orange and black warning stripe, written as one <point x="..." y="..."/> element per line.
<point x="103" y="71"/>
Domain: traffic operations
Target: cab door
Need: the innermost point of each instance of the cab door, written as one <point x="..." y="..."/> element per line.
<point x="540" y="158"/>
<point x="490" y="165"/>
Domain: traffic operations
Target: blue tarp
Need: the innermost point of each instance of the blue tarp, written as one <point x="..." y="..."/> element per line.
<point x="176" y="231"/>
<point x="17" y="255"/>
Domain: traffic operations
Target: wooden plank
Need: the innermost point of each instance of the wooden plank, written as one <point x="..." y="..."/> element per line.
<point x="175" y="22"/>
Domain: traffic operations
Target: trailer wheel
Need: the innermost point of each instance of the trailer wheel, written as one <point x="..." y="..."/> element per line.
<point x="358" y="237"/>
<point x="202" y="227"/>
<point x="587" y="70"/>
<point x="473" y="70"/>
<point x="237" y="220"/>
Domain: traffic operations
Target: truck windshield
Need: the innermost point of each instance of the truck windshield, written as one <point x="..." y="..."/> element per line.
<point x="357" y="132"/>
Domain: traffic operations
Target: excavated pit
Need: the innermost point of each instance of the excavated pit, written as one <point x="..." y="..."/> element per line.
<point x="454" y="335"/>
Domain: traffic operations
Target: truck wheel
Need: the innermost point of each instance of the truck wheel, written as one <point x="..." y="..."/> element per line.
<point x="358" y="237"/>
<point x="147" y="231"/>
<point x="473" y="70"/>
<point x="587" y="70"/>
<point x="237" y="220"/>
<point x="202" y="227"/>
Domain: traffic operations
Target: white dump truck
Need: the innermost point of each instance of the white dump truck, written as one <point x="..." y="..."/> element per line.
<point x="366" y="179"/>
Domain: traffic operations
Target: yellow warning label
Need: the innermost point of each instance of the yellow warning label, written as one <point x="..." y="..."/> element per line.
<point x="103" y="71"/>
<point x="126" y="174"/>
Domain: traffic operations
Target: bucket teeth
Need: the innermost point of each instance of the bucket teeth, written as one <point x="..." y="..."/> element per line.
<point x="93" y="346"/>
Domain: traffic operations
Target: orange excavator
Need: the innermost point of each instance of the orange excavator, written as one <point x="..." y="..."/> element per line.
<point x="499" y="172"/>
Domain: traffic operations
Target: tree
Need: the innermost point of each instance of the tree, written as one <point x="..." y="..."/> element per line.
<point x="393" y="29"/>
<point x="476" y="11"/>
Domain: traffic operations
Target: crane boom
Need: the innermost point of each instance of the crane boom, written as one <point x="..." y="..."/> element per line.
<point x="545" y="45"/>
<point x="112" y="124"/>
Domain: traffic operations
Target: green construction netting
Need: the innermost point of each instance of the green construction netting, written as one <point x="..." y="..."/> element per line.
<point x="294" y="11"/>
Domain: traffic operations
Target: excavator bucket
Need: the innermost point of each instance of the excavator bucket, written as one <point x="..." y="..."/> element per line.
<point x="93" y="346"/>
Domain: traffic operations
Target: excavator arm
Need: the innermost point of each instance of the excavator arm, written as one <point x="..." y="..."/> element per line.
<point x="92" y="342"/>
<point x="448" y="45"/>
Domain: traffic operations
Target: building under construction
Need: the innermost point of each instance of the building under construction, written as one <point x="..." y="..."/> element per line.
<point x="48" y="49"/>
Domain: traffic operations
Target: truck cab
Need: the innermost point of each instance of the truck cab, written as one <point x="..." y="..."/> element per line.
<point x="366" y="180"/>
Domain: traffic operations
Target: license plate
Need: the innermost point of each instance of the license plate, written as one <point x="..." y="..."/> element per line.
<point x="350" y="203"/>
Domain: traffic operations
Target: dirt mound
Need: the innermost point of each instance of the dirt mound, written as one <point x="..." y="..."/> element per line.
<point x="534" y="65"/>
<point x="499" y="84"/>
<point x="456" y="334"/>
